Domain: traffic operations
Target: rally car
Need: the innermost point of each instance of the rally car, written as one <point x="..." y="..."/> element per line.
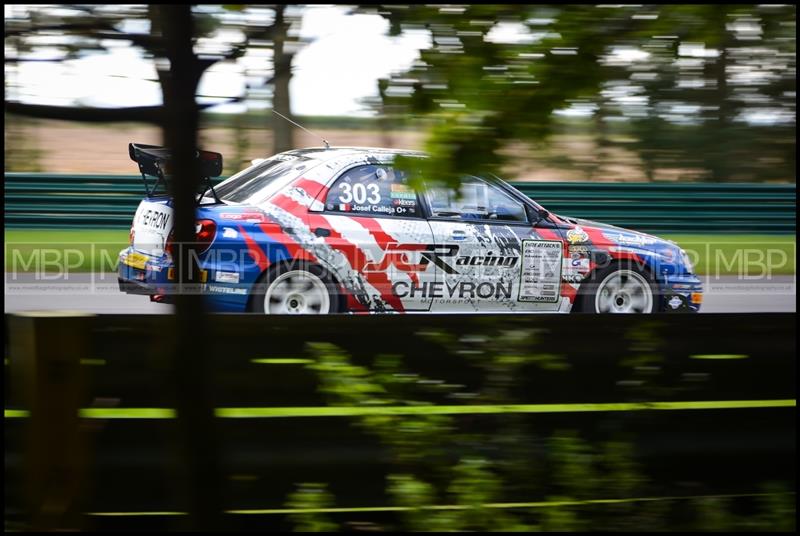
<point x="335" y="230"/>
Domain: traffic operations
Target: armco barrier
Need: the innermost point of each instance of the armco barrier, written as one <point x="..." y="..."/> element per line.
<point x="34" y="200"/>
<point x="707" y="403"/>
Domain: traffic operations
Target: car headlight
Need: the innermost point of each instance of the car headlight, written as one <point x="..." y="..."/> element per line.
<point x="687" y="263"/>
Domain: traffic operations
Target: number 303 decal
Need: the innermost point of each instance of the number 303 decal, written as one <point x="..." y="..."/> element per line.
<point x="358" y="193"/>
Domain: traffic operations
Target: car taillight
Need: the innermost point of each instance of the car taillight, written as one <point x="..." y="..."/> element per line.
<point x="168" y="244"/>
<point x="131" y="235"/>
<point x="205" y="231"/>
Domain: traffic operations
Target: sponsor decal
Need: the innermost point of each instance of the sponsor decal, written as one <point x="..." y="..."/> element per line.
<point x="486" y="260"/>
<point x="155" y="219"/>
<point x="226" y="277"/>
<point x="136" y="260"/>
<point x="468" y="290"/>
<point x="244" y="216"/>
<point x="203" y="275"/>
<point x="397" y="187"/>
<point x="226" y="290"/>
<point x="633" y="240"/>
<point x="540" y="275"/>
<point x="228" y="232"/>
<point x="577" y="265"/>
<point x="398" y="255"/>
<point x="675" y="302"/>
<point x="579" y="262"/>
<point x="577" y="235"/>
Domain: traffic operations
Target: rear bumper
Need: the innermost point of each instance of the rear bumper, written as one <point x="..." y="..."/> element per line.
<point x="682" y="293"/>
<point x="148" y="278"/>
<point x="154" y="277"/>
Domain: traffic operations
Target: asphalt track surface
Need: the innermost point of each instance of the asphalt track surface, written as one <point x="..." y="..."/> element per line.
<point x="95" y="293"/>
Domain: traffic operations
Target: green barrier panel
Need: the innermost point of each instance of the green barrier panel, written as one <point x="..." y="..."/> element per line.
<point x="40" y="200"/>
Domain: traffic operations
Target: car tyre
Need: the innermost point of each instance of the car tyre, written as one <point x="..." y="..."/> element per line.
<point x="621" y="287"/>
<point x="299" y="288"/>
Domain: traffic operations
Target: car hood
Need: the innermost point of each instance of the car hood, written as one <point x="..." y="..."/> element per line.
<point x="605" y="235"/>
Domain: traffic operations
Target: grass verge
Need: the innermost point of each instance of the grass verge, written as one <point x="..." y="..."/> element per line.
<point x="79" y="250"/>
<point x="752" y="255"/>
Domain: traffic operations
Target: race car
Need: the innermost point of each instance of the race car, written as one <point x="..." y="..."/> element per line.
<point x="347" y="230"/>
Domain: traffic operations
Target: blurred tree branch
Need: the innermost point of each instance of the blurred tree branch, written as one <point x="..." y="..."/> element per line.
<point x="141" y="114"/>
<point x="496" y="74"/>
<point x="90" y="29"/>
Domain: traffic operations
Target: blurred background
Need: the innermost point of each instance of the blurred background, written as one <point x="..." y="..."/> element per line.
<point x="600" y="93"/>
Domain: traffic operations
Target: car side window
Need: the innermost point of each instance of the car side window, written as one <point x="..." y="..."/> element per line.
<point x="373" y="190"/>
<point x="478" y="200"/>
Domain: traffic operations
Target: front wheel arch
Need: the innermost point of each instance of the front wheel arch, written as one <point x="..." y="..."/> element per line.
<point x="584" y="299"/>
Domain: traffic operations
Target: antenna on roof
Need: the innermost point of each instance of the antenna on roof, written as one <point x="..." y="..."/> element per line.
<point x="327" y="145"/>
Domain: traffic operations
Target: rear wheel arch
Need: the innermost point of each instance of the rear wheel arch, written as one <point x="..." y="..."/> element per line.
<point x="262" y="282"/>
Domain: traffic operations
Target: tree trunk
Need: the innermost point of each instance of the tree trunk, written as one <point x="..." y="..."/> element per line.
<point x="282" y="67"/>
<point x="189" y="367"/>
<point x="721" y="131"/>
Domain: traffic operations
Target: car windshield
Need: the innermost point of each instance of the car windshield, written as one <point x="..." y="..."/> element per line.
<point x="260" y="181"/>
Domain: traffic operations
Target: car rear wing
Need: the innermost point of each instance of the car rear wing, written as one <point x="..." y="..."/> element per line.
<point x="155" y="161"/>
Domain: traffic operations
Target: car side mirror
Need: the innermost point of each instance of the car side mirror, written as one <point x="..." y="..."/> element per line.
<point x="543" y="214"/>
<point x="537" y="215"/>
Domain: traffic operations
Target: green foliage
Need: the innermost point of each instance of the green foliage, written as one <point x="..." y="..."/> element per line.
<point x="690" y="76"/>
<point x="311" y="497"/>
<point x="447" y="479"/>
<point x="417" y="495"/>
<point x="712" y="514"/>
<point x="413" y="439"/>
<point x="573" y="460"/>
<point x="777" y="509"/>
<point x="475" y="485"/>
<point x="561" y="518"/>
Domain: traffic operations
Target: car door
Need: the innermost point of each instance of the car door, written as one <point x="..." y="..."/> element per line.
<point x="491" y="257"/>
<point x="375" y="219"/>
